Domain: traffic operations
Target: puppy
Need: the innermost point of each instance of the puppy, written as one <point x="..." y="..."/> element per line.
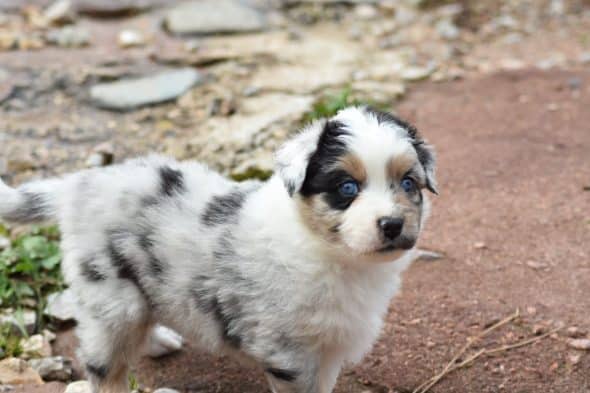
<point x="294" y="274"/>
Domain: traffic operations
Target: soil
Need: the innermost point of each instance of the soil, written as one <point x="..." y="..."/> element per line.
<point x="513" y="221"/>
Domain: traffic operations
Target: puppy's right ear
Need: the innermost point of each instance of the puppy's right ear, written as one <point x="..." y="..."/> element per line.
<point x="293" y="157"/>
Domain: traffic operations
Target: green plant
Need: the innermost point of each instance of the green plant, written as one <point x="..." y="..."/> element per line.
<point x="30" y="269"/>
<point x="10" y="343"/>
<point x="329" y="105"/>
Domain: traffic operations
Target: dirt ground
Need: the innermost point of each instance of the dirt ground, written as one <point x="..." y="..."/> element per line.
<point x="513" y="221"/>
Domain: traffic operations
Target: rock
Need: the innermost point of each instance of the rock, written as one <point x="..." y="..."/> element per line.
<point x="575" y="332"/>
<point x="574" y="83"/>
<point x="57" y="368"/>
<point x="17" y="372"/>
<point x="214" y="16"/>
<point x="165" y="390"/>
<point x="7" y="388"/>
<point x="366" y="11"/>
<point x="428" y="256"/>
<point x="102" y="155"/>
<point x="36" y="346"/>
<point x="27" y="319"/>
<point x="447" y="29"/>
<point x="579" y="343"/>
<point x="60" y="12"/>
<point x="4" y="242"/>
<point x="79" y="387"/>
<point x="479" y="245"/>
<point x="536" y="265"/>
<point x="574" y="358"/>
<point x="112" y="8"/>
<point x="69" y="37"/>
<point x="21" y="164"/>
<point x="415" y="73"/>
<point x="539" y="329"/>
<point x="131" y="94"/>
<point x="584" y="58"/>
<point x="61" y="306"/>
<point x="512" y="64"/>
<point x="129" y="38"/>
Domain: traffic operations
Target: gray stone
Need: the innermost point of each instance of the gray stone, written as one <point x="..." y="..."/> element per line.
<point x="26" y="320"/>
<point x="61" y="306"/>
<point x="153" y="89"/>
<point x="214" y="16"/>
<point x="447" y="29"/>
<point x="69" y="37"/>
<point x="60" y="12"/>
<point x="584" y="58"/>
<point x="129" y="38"/>
<point x="56" y="368"/>
<point x="580" y="343"/>
<point x="79" y="387"/>
<point x="4" y="242"/>
<point x="115" y="7"/>
<point x="165" y="390"/>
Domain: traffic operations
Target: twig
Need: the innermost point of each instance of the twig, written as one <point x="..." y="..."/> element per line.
<point x="450" y="367"/>
<point x="423" y="388"/>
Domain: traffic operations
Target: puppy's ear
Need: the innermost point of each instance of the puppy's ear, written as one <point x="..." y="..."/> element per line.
<point x="427" y="158"/>
<point x="293" y="157"/>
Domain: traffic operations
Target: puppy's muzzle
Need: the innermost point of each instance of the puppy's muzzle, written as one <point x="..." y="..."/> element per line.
<point x="391" y="227"/>
<point x="391" y="231"/>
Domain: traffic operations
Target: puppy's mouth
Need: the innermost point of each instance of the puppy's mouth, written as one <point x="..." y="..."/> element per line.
<point x="401" y="243"/>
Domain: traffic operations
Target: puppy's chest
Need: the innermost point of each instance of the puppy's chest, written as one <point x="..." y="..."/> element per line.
<point x="347" y="311"/>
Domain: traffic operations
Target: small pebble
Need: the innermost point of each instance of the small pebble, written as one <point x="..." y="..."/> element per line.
<point x="580" y="343"/>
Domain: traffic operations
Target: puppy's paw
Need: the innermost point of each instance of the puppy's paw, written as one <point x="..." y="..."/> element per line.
<point x="162" y="341"/>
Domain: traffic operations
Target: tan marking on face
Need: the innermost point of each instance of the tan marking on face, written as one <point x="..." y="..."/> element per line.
<point x="320" y="217"/>
<point x="411" y="211"/>
<point x="398" y="166"/>
<point x="353" y="166"/>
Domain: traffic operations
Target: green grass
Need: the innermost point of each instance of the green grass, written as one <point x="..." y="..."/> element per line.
<point x="330" y="104"/>
<point x="29" y="271"/>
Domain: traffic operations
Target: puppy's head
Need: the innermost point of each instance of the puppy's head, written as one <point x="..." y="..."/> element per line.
<point x="357" y="179"/>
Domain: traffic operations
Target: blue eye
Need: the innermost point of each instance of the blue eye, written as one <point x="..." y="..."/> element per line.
<point x="408" y="185"/>
<point x="349" y="189"/>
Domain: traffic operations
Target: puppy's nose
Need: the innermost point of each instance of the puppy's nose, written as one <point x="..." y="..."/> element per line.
<point x="391" y="226"/>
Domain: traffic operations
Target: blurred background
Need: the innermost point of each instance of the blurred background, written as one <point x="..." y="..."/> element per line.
<point x="501" y="88"/>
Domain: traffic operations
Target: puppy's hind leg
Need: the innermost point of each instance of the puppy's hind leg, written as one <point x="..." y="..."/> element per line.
<point x="107" y="348"/>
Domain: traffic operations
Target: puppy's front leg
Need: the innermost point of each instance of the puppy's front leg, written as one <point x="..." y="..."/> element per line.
<point x="294" y="374"/>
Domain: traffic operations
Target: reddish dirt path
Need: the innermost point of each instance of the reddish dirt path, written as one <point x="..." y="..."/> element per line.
<point x="514" y="171"/>
<point x="514" y="160"/>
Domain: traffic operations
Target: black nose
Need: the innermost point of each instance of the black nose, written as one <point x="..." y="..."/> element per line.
<point x="391" y="227"/>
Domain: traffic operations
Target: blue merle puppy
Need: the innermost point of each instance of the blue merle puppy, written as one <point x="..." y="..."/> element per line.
<point x="294" y="274"/>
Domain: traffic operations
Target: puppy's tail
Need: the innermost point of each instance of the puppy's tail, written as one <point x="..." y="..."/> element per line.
<point x="31" y="202"/>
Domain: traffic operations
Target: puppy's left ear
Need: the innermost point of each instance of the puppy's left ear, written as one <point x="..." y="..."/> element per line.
<point x="427" y="158"/>
<point x="293" y="157"/>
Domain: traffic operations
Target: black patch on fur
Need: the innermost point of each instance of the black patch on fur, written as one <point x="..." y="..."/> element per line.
<point x="386" y="117"/>
<point x="319" y="179"/>
<point x="223" y="209"/>
<point x="425" y="155"/>
<point x="147" y="245"/>
<point x="282" y="374"/>
<point x="226" y="312"/>
<point x="31" y="209"/>
<point x="91" y="272"/>
<point x="100" y="372"/>
<point x="125" y="268"/>
<point x="171" y="181"/>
